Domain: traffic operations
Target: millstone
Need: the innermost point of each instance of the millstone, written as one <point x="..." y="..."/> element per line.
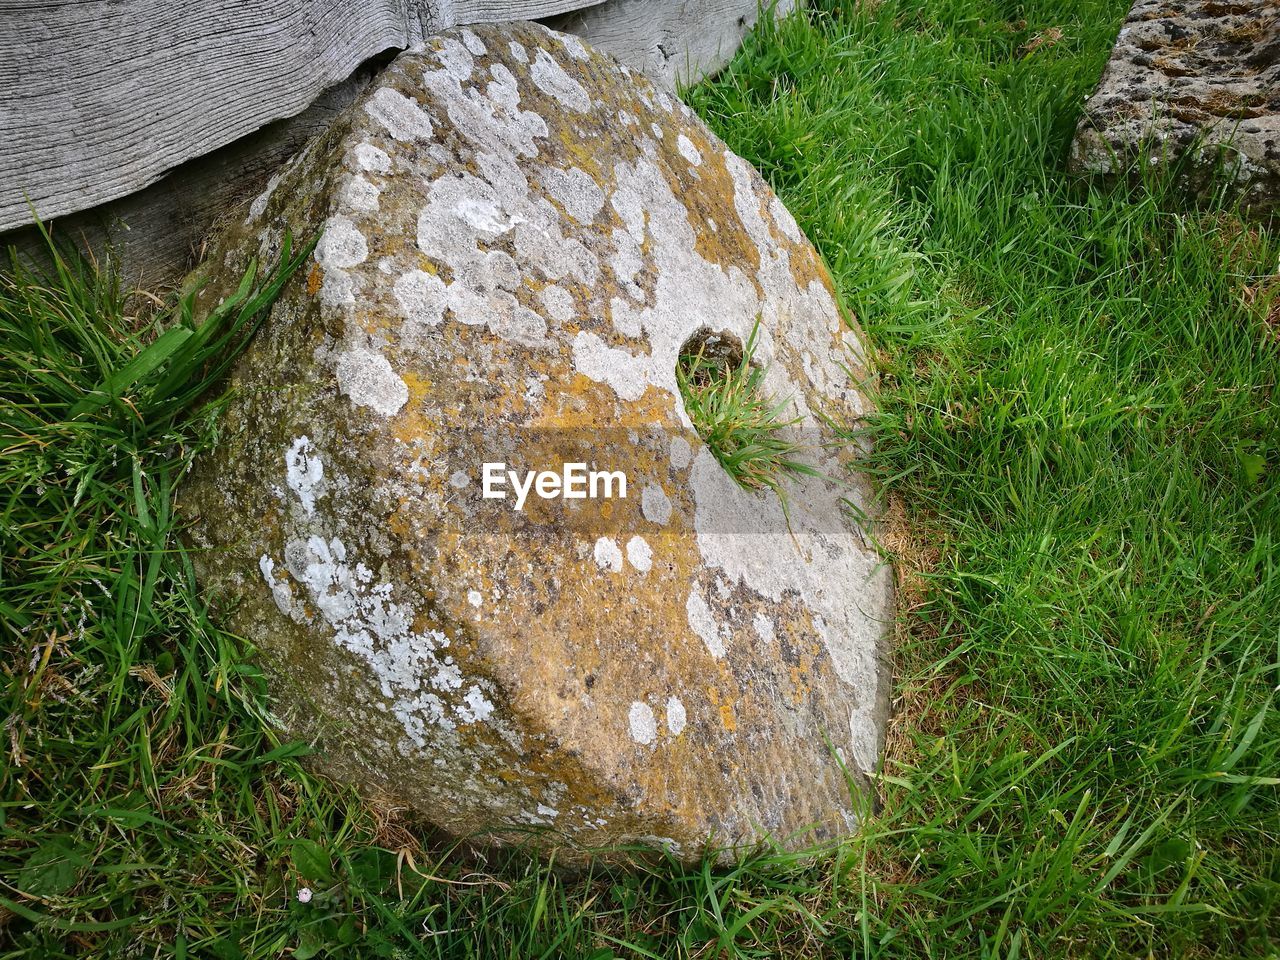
<point x="519" y="237"/>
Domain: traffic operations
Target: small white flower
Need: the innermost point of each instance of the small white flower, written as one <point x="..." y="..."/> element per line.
<point x="304" y="895"/>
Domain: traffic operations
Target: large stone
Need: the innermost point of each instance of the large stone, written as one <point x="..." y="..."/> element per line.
<point x="519" y="235"/>
<point x="1197" y="83"/>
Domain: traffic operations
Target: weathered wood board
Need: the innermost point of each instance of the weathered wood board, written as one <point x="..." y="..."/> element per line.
<point x="99" y="98"/>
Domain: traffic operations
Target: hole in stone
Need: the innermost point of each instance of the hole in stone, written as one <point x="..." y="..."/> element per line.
<point x="746" y="430"/>
<point x="720" y="350"/>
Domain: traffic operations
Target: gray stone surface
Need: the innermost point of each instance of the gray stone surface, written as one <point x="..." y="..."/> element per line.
<point x="520" y="234"/>
<point x="1201" y="75"/>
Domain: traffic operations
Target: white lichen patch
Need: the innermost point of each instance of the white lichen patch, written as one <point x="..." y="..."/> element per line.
<point x="554" y="82"/>
<point x="475" y="707"/>
<point x="764" y="629"/>
<point x="424" y="686"/>
<point x="642" y="723"/>
<point x="422" y="297"/>
<point x="681" y="452"/>
<point x="627" y="260"/>
<point x="304" y="473"/>
<point x="655" y="504"/>
<point x="281" y="593"/>
<point x="574" y="47"/>
<point x="702" y="621"/>
<point x="341" y="246"/>
<point x="457" y="60"/>
<point x="640" y="554"/>
<point x="493" y="118"/>
<point x="463" y="211"/>
<point x="483" y="215"/>
<point x="410" y="667"/>
<point x="574" y="190"/>
<point x="608" y="555"/>
<point x="259" y="205"/>
<point x="626" y="319"/>
<point x="473" y="43"/>
<point x="338" y="289"/>
<point x="372" y="159"/>
<point x="627" y="373"/>
<point x="367" y="378"/>
<point x="688" y="150"/>
<point x="676" y="716"/>
<point x="360" y="195"/>
<point x="558" y="302"/>
<point x="399" y="116"/>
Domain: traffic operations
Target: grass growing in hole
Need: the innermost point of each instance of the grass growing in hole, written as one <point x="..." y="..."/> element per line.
<point x="746" y="430"/>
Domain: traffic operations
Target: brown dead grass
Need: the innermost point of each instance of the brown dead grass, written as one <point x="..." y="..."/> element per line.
<point x="1045" y="38"/>
<point x="1240" y="244"/>
<point x="914" y="545"/>
<point x="1263" y="300"/>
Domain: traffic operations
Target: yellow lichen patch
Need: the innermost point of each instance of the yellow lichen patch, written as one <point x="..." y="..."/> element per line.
<point x="807" y="266"/>
<point x="582" y="153"/>
<point x="728" y="719"/>
<point x="413" y="423"/>
<point x="799" y="688"/>
<point x="719" y="235"/>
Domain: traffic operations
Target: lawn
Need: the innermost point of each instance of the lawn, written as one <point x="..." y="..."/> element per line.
<point x="1077" y="441"/>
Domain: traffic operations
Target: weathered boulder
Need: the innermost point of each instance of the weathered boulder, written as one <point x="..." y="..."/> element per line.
<point x="1197" y="82"/>
<point x="519" y="235"/>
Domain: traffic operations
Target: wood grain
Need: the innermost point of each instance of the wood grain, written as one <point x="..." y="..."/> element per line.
<point x="99" y="98"/>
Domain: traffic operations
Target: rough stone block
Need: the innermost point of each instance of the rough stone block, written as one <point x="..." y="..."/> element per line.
<point x="1198" y="82"/>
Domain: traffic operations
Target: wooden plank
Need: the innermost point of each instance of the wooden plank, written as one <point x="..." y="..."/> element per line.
<point x="99" y="98"/>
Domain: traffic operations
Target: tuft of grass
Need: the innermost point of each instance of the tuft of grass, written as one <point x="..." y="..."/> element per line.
<point x="746" y="430"/>
<point x="127" y="712"/>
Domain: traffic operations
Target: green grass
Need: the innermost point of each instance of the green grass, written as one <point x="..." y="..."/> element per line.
<point x="744" y="428"/>
<point x="1078" y="437"/>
